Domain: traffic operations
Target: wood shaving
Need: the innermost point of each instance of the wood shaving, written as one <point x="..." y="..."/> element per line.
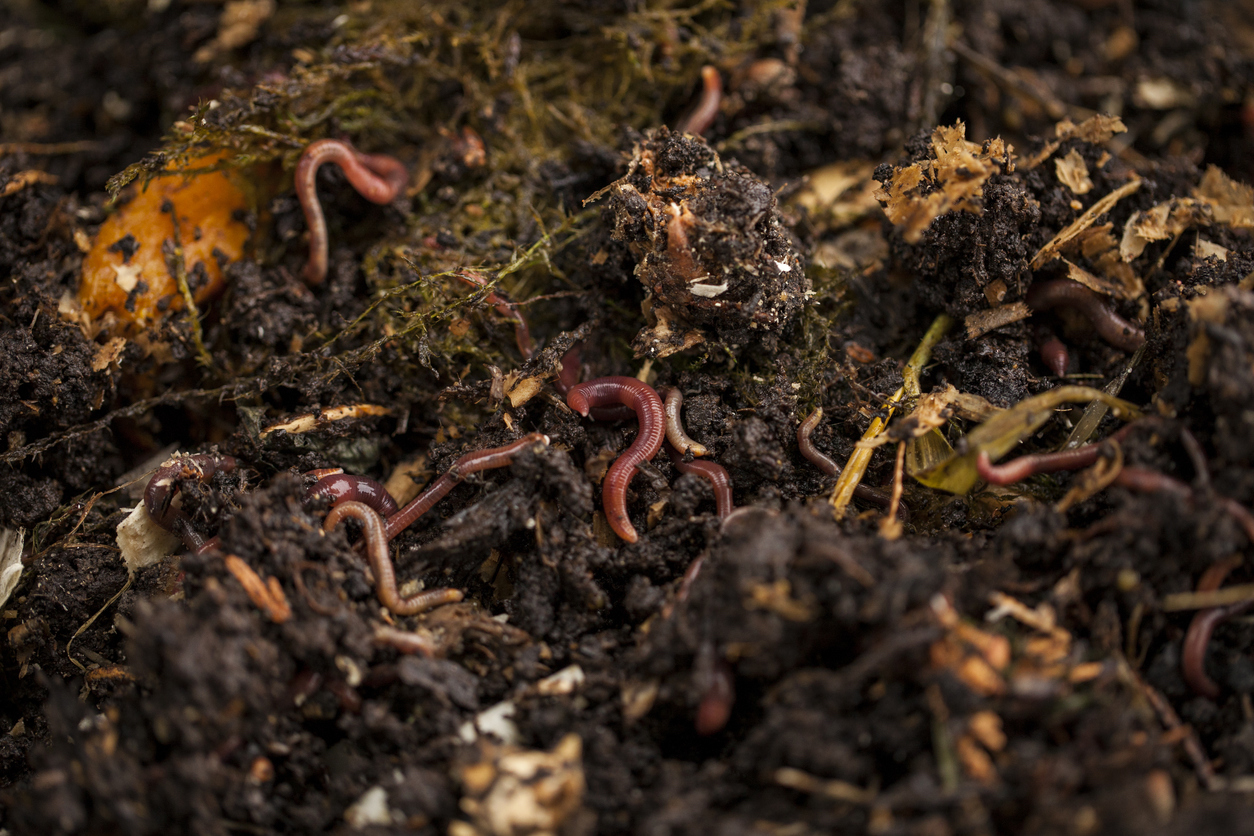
<point x="1051" y="250"/>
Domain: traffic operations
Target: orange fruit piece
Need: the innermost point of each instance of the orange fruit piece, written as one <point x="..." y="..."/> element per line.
<point x="133" y="278"/>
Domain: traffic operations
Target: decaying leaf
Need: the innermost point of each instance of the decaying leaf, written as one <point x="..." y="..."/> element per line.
<point x="952" y="181"/>
<point x="1000" y="434"/>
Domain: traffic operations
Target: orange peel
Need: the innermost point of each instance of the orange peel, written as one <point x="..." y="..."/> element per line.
<point x="134" y="281"/>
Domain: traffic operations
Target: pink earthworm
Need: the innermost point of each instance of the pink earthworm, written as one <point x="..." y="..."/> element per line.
<point x="463" y="467"/>
<point x="375" y="534"/>
<point x="338" y="486"/>
<point x="702" y="116"/>
<point x="673" y="402"/>
<point x="642" y="399"/>
<point x="1114" y="329"/>
<point x="1202" y="627"/>
<point x="376" y="177"/>
<point x="826" y="464"/>
<point x="713" y="473"/>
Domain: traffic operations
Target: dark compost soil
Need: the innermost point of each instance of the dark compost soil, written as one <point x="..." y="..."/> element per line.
<point x="1010" y="659"/>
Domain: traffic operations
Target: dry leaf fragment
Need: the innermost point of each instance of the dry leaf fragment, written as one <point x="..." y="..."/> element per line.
<point x="1073" y="172"/>
<point x="1166" y="220"/>
<point x="952" y="181"/>
<point x="1231" y="203"/>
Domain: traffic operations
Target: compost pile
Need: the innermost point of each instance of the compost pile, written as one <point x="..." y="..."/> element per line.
<point x="989" y="265"/>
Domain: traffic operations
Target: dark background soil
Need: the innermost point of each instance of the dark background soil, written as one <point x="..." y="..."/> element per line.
<point x="859" y="663"/>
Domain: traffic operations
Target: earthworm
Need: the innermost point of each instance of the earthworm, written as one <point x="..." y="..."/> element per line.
<point x="712" y="473"/>
<point x="404" y="641"/>
<point x="674" y="401"/>
<point x="522" y="333"/>
<point x="159" y="495"/>
<point x="376" y="177"/>
<point x="826" y="464"/>
<point x="341" y="487"/>
<point x="718" y="696"/>
<point x="568" y="378"/>
<point x="1053" y="351"/>
<point x="1114" y="329"/>
<point x="652" y="418"/>
<point x="1193" y="650"/>
<point x="466" y="465"/>
<point x="374" y="533"/>
<point x="702" y="116"/>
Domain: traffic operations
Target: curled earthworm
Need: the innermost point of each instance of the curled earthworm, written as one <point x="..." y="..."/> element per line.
<point x="826" y="464"/>
<point x="463" y="467"/>
<point x="568" y="378"/>
<point x="1114" y="329"/>
<point x="644" y="401"/>
<point x="376" y="177"/>
<point x="522" y="333"/>
<point x="1193" y="650"/>
<point x="675" y="434"/>
<point x="159" y="494"/>
<point x="715" y="474"/>
<point x="337" y="486"/>
<point x="375" y="535"/>
<point x="702" y="116"/>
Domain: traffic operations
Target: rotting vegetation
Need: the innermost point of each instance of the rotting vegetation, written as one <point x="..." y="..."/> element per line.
<point x="1031" y="651"/>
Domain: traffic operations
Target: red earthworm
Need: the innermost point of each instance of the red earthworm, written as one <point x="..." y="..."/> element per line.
<point x="376" y="177"/>
<point x="702" y="116"/>
<point x="1023" y="467"/>
<point x="159" y="494"/>
<point x="674" y="401"/>
<point x="466" y="465"/>
<point x="1114" y="329"/>
<point x="715" y="474"/>
<point x="1053" y="352"/>
<point x="568" y="377"/>
<point x="826" y="464"/>
<point x="1193" y="649"/>
<point x="652" y="418"/>
<point x="375" y="536"/>
<point x="342" y="487"/>
<point x="522" y="333"/>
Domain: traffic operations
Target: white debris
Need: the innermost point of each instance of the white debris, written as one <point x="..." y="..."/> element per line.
<point x="11" y="540"/>
<point x="497" y="721"/>
<point x="707" y="291"/>
<point x="142" y="541"/>
<point x="784" y="266"/>
<point x="371" y="808"/>
<point x="563" y="682"/>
